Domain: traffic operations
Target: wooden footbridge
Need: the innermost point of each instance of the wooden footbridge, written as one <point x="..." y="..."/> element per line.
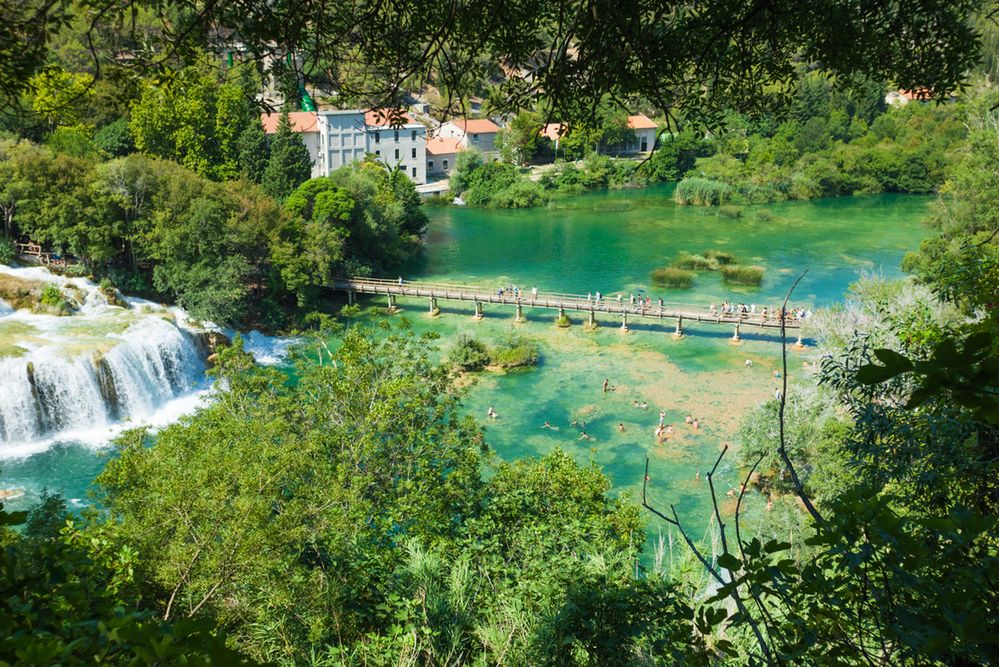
<point x="587" y="304"/>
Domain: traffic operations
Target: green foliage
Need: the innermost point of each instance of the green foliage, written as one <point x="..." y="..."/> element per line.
<point x="115" y="138"/>
<point x="514" y="352"/>
<point x="469" y="354"/>
<point x="8" y="251"/>
<point x="254" y="152"/>
<point x="691" y="262"/>
<point x="51" y="295"/>
<point x="675" y="156"/>
<point x="730" y="211"/>
<point x="673" y="277"/>
<point x="742" y="275"/>
<point x="563" y="321"/>
<point x="68" y="598"/>
<point x="720" y="256"/>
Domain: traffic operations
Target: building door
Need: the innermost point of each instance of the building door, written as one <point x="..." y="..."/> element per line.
<point x="645" y="144"/>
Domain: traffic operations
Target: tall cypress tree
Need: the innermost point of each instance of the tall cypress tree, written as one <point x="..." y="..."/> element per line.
<point x="289" y="165"/>
<point x="254" y="152"/>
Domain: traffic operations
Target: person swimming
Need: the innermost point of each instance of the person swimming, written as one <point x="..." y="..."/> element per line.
<point x="583" y="435"/>
<point x="620" y="427"/>
<point x="549" y="426"/>
<point x="696" y="424"/>
<point x="606" y="384"/>
<point x="491" y="413"/>
<point x="688" y="419"/>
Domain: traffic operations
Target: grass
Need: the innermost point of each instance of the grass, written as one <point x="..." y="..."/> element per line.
<point x="563" y="321"/>
<point x="720" y="257"/>
<point x="742" y="275"/>
<point x="690" y="262"/>
<point x="11" y="351"/>
<point x="730" y="212"/>
<point x="673" y="277"/>
<point x="702" y="192"/>
<point x="764" y="215"/>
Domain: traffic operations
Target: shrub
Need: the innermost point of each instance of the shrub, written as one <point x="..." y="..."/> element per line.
<point x="742" y="275"/>
<point x="563" y="321"/>
<point x="686" y="260"/>
<point x="515" y="352"/>
<point x="702" y="192"/>
<point x="8" y="251"/>
<point x="720" y="256"/>
<point x="730" y="211"/>
<point x="673" y="277"/>
<point x="764" y="215"/>
<point x="522" y="194"/>
<point x="469" y="354"/>
<point x="51" y="296"/>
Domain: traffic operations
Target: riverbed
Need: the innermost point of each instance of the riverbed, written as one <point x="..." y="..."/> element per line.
<point x="609" y="242"/>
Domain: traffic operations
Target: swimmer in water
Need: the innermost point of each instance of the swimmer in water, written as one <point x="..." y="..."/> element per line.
<point x="549" y="426"/>
<point x="669" y="430"/>
<point x="697" y="477"/>
<point x="688" y="419"/>
<point x="696" y="424"/>
<point x="749" y="363"/>
<point x="491" y="413"/>
<point x="606" y="385"/>
<point x="583" y="435"/>
<point x="645" y="406"/>
<point x="573" y="423"/>
<point x="620" y="427"/>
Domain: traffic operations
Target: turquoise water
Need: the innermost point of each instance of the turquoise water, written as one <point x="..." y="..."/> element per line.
<point x="610" y="242"/>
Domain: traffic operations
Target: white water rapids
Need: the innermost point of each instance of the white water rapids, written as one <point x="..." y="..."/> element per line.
<point x="84" y="376"/>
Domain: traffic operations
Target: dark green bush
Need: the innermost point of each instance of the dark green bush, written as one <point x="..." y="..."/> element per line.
<point x="515" y="352"/>
<point x="8" y="251"/>
<point x="469" y="354"/>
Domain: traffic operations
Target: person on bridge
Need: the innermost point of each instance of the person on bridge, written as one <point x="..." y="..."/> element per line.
<point x="400" y="280"/>
<point x="534" y="292"/>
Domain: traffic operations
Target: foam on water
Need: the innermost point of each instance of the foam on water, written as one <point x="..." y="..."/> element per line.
<point x="84" y="377"/>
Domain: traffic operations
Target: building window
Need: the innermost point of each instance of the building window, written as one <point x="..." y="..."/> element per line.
<point x="378" y="137"/>
<point x="475" y="137"/>
<point x="378" y="153"/>
<point x="414" y="152"/>
<point x="445" y="165"/>
<point x="414" y="172"/>
<point x="430" y="165"/>
<point x="397" y="154"/>
<point x="414" y="136"/>
<point x="397" y="135"/>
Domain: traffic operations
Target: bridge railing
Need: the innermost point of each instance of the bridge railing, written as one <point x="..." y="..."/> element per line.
<point x="564" y="299"/>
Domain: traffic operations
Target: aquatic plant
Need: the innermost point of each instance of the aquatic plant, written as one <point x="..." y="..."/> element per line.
<point x="764" y="215"/>
<point x="702" y="192"/>
<point x="720" y="256"/>
<point x="742" y="275"/>
<point x="691" y="262"/>
<point x="673" y="277"/>
<point x="514" y="352"/>
<point x="730" y="211"/>
<point x="563" y="321"/>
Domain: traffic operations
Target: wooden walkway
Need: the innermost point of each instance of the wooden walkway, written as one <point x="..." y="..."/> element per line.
<point x="44" y="258"/>
<point x="561" y="302"/>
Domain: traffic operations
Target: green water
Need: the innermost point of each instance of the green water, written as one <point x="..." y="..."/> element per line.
<point x="609" y="242"/>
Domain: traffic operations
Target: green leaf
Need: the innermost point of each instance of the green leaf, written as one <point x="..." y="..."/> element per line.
<point x="729" y="562"/>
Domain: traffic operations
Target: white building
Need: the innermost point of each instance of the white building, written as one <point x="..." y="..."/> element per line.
<point x="403" y="146"/>
<point x="645" y="134"/>
<point x="305" y="123"/>
<point x="338" y="137"/>
<point x="477" y="133"/>
<point x="441" y="155"/>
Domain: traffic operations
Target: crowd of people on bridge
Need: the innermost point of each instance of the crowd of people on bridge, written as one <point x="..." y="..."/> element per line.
<point x="750" y="311"/>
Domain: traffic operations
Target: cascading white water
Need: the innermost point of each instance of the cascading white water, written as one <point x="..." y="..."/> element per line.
<point x="88" y="371"/>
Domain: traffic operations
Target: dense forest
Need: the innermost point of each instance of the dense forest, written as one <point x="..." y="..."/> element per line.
<point x="344" y="512"/>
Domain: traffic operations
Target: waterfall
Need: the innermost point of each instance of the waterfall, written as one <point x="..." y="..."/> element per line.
<point x="87" y="373"/>
<point x="45" y="393"/>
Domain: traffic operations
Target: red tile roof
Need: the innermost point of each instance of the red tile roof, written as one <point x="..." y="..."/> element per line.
<point x="553" y="131"/>
<point x="475" y="125"/>
<point x="641" y="122"/>
<point x="301" y="121"/>
<point x="380" y="118"/>
<point x="443" y="146"/>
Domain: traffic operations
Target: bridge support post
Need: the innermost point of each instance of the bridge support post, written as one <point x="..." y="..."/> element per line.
<point x="434" y="310"/>
<point x="735" y="337"/>
<point x="799" y="342"/>
<point x="591" y="321"/>
<point x="351" y="298"/>
<point x="391" y="303"/>
<point x="519" y="317"/>
<point x="478" y="310"/>
<point x="624" y="320"/>
<point x="679" y="328"/>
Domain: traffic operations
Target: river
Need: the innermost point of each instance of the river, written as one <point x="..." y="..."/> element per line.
<point x="609" y="242"/>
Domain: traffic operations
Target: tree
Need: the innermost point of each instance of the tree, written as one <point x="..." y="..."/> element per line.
<point x="254" y="152"/>
<point x="519" y="140"/>
<point x="289" y="165"/>
<point x="574" y="56"/>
